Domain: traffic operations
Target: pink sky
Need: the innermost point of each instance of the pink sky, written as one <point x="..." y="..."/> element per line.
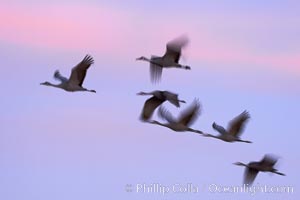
<point x="108" y="31"/>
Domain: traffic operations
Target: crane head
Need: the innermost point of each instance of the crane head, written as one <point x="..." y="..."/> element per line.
<point x="240" y="164"/>
<point x="141" y="58"/>
<point x="141" y="93"/>
<point x="45" y="83"/>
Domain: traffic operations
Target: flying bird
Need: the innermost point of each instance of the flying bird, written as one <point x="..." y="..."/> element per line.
<point x="265" y="165"/>
<point x="169" y="60"/>
<point x="158" y="97"/>
<point x="186" y="118"/>
<point x="74" y="83"/>
<point x="234" y="130"/>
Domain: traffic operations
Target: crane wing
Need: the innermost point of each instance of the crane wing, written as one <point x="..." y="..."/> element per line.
<point x="155" y="70"/>
<point x="164" y="114"/>
<point x="269" y="161"/>
<point x="250" y="175"/>
<point x="59" y="77"/>
<point x="149" y="107"/>
<point x="172" y="98"/>
<point x="219" y="128"/>
<point x="173" y="50"/>
<point x="237" y="125"/>
<point x="79" y="71"/>
<point x="190" y="114"/>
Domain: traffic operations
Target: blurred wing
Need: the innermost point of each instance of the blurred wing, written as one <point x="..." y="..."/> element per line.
<point x="79" y="71"/>
<point x="174" y="47"/>
<point x="237" y="125"/>
<point x="155" y="71"/>
<point x="218" y="128"/>
<point x="59" y="77"/>
<point x="269" y="161"/>
<point x="172" y="98"/>
<point x="249" y="175"/>
<point x="164" y="114"/>
<point x="189" y="115"/>
<point x="149" y="107"/>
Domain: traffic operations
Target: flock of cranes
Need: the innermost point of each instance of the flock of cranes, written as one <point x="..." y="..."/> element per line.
<point x="186" y="118"/>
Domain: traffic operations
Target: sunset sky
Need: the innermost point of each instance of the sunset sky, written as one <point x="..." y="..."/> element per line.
<point x="57" y="145"/>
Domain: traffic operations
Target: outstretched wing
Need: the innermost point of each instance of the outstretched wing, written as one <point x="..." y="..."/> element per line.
<point x="189" y="115"/>
<point x="237" y="125"/>
<point x="269" y="160"/>
<point x="155" y="70"/>
<point x="59" y="77"/>
<point x="249" y="176"/>
<point x="149" y="107"/>
<point x="79" y="71"/>
<point x="174" y="47"/>
<point x="172" y="98"/>
<point x="219" y="128"/>
<point x="164" y="114"/>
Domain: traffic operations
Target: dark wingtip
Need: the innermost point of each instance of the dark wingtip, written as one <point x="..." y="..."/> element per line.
<point x="89" y="59"/>
<point x="246" y="113"/>
<point x="143" y="118"/>
<point x="56" y="73"/>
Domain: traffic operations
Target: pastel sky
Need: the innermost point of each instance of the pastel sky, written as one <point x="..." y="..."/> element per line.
<point x="60" y="145"/>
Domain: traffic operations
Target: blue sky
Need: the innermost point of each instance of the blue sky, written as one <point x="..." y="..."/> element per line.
<point x="59" y="145"/>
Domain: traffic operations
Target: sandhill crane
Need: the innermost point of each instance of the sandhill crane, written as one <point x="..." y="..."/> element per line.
<point x="74" y="83"/>
<point x="158" y="97"/>
<point x="168" y="60"/>
<point x="234" y="130"/>
<point x="183" y="122"/>
<point x="252" y="168"/>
